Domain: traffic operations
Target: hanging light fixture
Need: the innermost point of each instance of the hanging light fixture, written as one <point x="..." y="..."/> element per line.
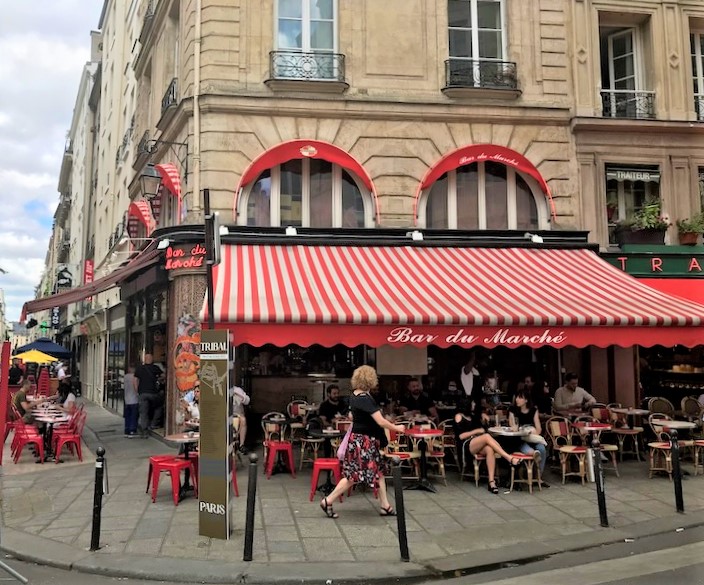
<point x="150" y="181"/>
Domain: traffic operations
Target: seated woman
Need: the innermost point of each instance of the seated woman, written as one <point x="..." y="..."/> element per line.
<point x="66" y="397"/>
<point x="524" y="414"/>
<point x="468" y="426"/>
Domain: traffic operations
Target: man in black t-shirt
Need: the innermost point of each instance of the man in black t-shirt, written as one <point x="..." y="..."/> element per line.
<point x="415" y="402"/>
<point x="333" y="406"/>
<point x="15" y="374"/>
<point x="147" y="377"/>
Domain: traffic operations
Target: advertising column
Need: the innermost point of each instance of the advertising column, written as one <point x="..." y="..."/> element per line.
<point x="214" y="471"/>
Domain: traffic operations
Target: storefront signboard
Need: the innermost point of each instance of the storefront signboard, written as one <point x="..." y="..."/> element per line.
<point x="656" y="264"/>
<point x="214" y="471"/>
<point x="185" y="257"/>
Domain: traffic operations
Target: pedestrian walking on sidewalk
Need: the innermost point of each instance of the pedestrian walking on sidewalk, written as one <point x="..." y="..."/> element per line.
<point x="363" y="461"/>
<point x="147" y="377"/>
<point x="131" y="402"/>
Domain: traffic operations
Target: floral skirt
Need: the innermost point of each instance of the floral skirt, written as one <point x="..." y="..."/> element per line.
<point x="363" y="462"/>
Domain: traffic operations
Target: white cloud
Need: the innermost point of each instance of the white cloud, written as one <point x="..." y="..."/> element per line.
<point x="44" y="46"/>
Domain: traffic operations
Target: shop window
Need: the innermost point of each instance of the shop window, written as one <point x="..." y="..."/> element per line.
<point x="696" y="42"/>
<point x="624" y="85"/>
<point x="115" y="373"/>
<point x="627" y="189"/>
<point x="307" y="193"/>
<point x="484" y="195"/>
<point x="701" y="188"/>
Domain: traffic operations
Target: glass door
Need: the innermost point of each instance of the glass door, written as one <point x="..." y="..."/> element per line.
<point x="623" y="80"/>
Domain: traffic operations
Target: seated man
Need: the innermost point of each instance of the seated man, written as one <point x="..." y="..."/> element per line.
<point x="333" y="407"/>
<point x="415" y="402"/>
<point x="571" y="396"/>
<point x="191" y="408"/>
<point x="23" y="405"/>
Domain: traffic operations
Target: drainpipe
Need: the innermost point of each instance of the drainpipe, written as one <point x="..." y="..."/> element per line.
<point x="196" y="111"/>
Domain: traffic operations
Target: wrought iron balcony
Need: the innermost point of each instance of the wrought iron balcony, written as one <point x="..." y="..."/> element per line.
<point x="699" y="106"/>
<point x="170" y="97"/>
<point x="469" y="73"/>
<point x="621" y="103"/>
<point x="294" y="65"/>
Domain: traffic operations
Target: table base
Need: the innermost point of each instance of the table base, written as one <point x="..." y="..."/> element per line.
<point x="423" y="485"/>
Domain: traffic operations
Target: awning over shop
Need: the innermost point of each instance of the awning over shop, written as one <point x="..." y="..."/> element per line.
<point x="473" y="153"/>
<point x="413" y="295"/>
<point x="171" y="181"/>
<point x="139" y="262"/>
<point x="139" y="211"/>
<point x="299" y="149"/>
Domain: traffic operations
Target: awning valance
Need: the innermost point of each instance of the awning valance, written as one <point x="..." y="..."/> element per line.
<point x="140" y="211"/>
<point x="396" y="295"/>
<point x="170" y="178"/>
<point x="139" y="262"/>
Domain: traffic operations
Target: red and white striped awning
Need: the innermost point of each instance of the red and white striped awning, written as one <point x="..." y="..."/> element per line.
<point x="412" y="295"/>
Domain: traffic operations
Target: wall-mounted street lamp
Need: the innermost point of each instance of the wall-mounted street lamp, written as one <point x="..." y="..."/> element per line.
<point x="149" y="182"/>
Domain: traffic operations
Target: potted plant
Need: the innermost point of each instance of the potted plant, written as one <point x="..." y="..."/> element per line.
<point x="647" y="226"/>
<point x="689" y="229"/>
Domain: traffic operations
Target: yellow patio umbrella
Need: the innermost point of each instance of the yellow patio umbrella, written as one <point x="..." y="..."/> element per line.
<point x="34" y="356"/>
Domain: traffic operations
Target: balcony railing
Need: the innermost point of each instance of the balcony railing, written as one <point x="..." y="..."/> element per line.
<point x="699" y="106"/>
<point x="307" y="66"/>
<point x="622" y="103"/>
<point x="467" y="73"/>
<point x="170" y="97"/>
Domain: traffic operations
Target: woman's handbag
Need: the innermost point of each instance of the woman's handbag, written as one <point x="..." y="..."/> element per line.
<point x="342" y="449"/>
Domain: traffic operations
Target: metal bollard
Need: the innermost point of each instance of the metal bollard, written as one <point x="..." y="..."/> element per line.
<point x="400" y="509"/>
<point x="599" y="479"/>
<point x="251" y="502"/>
<point x="676" y="470"/>
<point x="97" y="499"/>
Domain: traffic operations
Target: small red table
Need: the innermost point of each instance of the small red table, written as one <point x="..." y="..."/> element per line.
<point x="421" y="435"/>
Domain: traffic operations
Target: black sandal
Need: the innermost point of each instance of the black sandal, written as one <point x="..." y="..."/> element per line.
<point x="493" y="488"/>
<point x="387" y="511"/>
<point x="327" y="509"/>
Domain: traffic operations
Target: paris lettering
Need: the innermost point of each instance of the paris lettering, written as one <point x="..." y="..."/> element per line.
<point x="503" y="336"/>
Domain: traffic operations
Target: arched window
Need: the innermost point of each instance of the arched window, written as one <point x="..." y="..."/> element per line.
<point x="483" y="195"/>
<point x="308" y="192"/>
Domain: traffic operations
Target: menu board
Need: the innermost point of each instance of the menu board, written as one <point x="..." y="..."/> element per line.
<point x="215" y="436"/>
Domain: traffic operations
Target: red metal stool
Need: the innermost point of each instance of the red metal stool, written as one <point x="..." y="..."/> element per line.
<point x="152" y="460"/>
<point x="173" y="468"/>
<point x="324" y="464"/>
<point x="276" y="447"/>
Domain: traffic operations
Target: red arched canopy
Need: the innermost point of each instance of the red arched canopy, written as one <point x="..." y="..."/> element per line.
<point x="467" y="155"/>
<point x="139" y="211"/>
<point x="297" y="149"/>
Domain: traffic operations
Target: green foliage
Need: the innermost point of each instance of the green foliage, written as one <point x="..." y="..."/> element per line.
<point x="648" y="217"/>
<point x="695" y="225"/>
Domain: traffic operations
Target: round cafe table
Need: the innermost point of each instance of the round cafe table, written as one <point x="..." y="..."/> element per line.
<point x="49" y="416"/>
<point x="508" y="432"/>
<point x="680" y="425"/>
<point x="421" y="435"/>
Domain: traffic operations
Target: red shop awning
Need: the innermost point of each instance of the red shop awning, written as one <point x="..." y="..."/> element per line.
<point x="296" y="149"/>
<point x="140" y="211"/>
<point x="385" y="295"/>
<point x="142" y="260"/>
<point x="482" y="153"/>
<point x="170" y="178"/>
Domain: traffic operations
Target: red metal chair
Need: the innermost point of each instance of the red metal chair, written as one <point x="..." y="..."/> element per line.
<point x="152" y="460"/>
<point x="173" y="467"/>
<point x="273" y="450"/>
<point x="324" y="464"/>
<point x="68" y="440"/>
<point x="26" y="435"/>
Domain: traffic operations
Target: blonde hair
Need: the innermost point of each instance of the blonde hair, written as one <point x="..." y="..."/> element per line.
<point x="364" y="378"/>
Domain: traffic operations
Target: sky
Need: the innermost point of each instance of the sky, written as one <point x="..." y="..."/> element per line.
<point x="44" y="45"/>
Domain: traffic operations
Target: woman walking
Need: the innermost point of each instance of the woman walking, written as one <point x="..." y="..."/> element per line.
<point x="364" y="462"/>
